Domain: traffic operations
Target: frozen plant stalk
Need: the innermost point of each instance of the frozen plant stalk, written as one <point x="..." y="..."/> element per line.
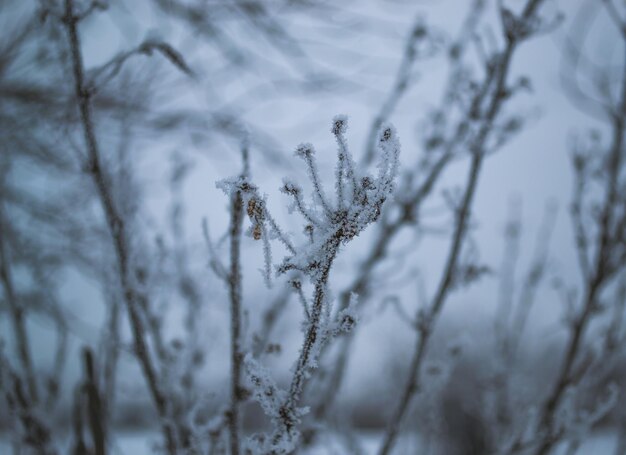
<point x="359" y="198"/>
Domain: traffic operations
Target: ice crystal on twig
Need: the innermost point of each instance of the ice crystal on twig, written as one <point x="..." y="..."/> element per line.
<point x="359" y="198"/>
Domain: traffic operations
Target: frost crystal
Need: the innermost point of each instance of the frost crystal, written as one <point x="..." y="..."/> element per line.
<point x="346" y="318"/>
<point x="264" y="388"/>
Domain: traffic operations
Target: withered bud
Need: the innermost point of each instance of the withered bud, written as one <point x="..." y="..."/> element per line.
<point x="340" y="125"/>
<point x="290" y="188"/>
<point x="304" y="150"/>
<point x="256" y="232"/>
<point x="386" y="135"/>
<point x="347" y="323"/>
<point x="251" y="205"/>
<point x="255" y="209"/>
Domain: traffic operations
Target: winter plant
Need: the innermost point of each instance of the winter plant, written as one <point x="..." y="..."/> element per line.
<point x="166" y="335"/>
<point x="329" y="224"/>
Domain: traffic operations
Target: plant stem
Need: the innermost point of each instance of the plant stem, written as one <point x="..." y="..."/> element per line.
<point x="234" y="287"/>
<point x="115" y="224"/>
<point x="477" y="148"/>
<point x="601" y="273"/>
<point x="311" y="336"/>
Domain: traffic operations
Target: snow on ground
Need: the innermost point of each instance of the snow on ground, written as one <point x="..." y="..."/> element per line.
<point x="142" y="443"/>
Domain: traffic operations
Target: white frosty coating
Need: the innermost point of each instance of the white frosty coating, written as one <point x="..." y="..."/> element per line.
<point x="293" y="189"/>
<point x="229" y="185"/>
<point x="388" y="165"/>
<point x="267" y="256"/>
<point x="358" y="203"/>
<point x="307" y="153"/>
<point x="347" y="318"/>
<point x="264" y="388"/>
<point x="264" y="227"/>
<point x="271" y="398"/>
<point x="340" y="124"/>
<point x="345" y="163"/>
<point x="276" y="444"/>
<point x="366" y="196"/>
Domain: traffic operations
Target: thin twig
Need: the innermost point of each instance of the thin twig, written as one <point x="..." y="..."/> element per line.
<point x="22" y="344"/>
<point x="234" y="288"/>
<point x="115" y="224"/>
<point x="463" y="212"/>
<point x="603" y="269"/>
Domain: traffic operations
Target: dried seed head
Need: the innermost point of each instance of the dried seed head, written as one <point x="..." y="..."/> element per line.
<point x="340" y="125"/>
<point x="251" y="206"/>
<point x="347" y="323"/>
<point x="386" y="135"/>
<point x="256" y="232"/>
<point x="255" y="209"/>
<point x="290" y="188"/>
<point x="304" y="150"/>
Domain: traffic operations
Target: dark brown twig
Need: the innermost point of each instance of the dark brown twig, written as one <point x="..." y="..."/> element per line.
<point x="115" y="224"/>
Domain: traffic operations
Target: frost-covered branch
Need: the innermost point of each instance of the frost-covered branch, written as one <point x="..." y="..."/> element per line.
<point x="235" y="290"/>
<point x="450" y="135"/>
<point x="359" y="201"/>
